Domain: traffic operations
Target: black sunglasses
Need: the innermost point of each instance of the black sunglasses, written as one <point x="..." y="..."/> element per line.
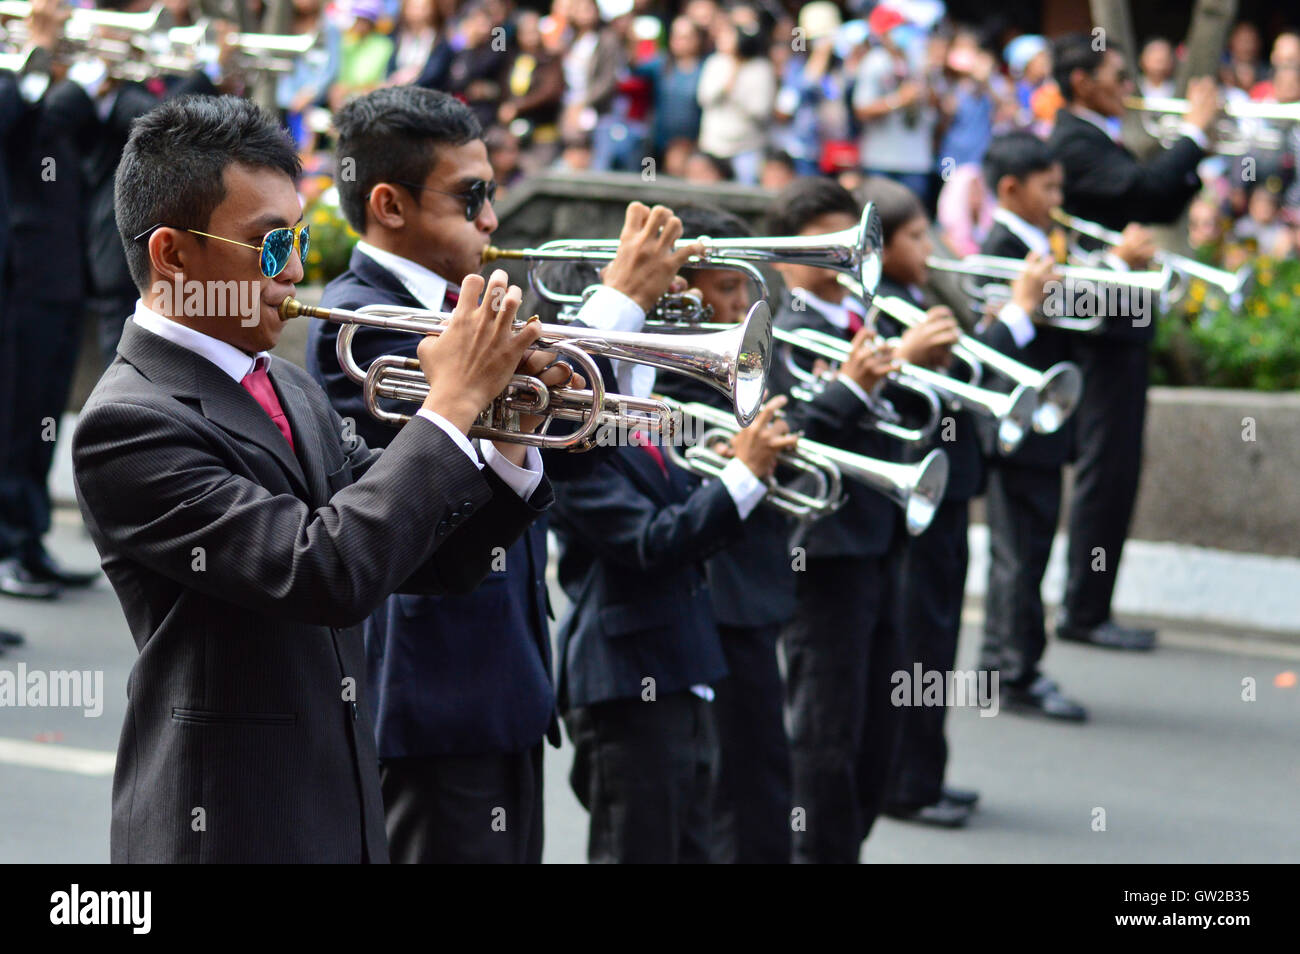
<point x="475" y="196"/>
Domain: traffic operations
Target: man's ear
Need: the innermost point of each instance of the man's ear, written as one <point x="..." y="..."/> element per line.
<point x="166" y="257"/>
<point x="1006" y="187"/>
<point x="387" y="206"/>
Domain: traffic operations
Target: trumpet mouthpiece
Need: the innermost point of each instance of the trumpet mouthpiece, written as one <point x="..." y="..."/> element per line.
<point x="293" y="308"/>
<point x="491" y="253"/>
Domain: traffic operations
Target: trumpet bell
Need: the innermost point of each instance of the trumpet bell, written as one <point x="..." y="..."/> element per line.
<point x="1015" y="423"/>
<point x="1058" y="396"/>
<point x="926" y="493"/>
<point x="748" y="372"/>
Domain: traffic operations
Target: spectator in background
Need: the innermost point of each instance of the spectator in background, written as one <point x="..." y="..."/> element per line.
<point x="474" y="75"/>
<point x="622" y="131"/>
<point x="968" y="105"/>
<point x="676" y="78"/>
<point x="504" y="155"/>
<point x="705" y="169"/>
<point x="576" y="154"/>
<point x="307" y="85"/>
<point x="737" y="91"/>
<point x="1263" y="230"/>
<point x="811" y="106"/>
<point x="778" y="171"/>
<point x="1157" y="68"/>
<point x="1029" y="62"/>
<point x="534" y="91"/>
<point x="965" y="210"/>
<point x="1285" y="55"/>
<point x="364" y="56"/>
<point x="893" y="104"/>
<point x="1205" y="229"/>
<point x="1241" y="58"/>
<point x="592" y="64"/>
<point x="418" y="31"/>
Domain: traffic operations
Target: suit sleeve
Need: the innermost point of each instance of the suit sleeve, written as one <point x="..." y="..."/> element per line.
<point x="189" y="517"/>
<point x="1156" y="190"/>
<point x="613" y="518"/>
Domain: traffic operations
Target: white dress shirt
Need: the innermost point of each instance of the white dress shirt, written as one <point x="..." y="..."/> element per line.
<point x="430" y="290"/>
<point x="608" y="309"/>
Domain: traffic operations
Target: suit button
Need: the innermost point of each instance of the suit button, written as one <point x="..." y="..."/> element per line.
<point x="443" y="527"/>
<point x="467" y="507"/>
<point x="354" y="712"/>
<point x="456" y="518"/>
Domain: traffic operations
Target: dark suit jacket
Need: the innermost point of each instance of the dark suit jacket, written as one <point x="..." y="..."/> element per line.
<point x="865" y="525"/>
<point x="1049" y="346"/>
<point x="1106" y="183"/>
<point x="244" y="571"/>
<point x="453" y="675"/>
<point x="751" y="582"/>
<point x="633" y="546"/>
<point x="965" y="458"/>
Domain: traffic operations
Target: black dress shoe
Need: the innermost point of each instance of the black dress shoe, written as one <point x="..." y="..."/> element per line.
<point x="44" y="567"/>
<point x="1043" y="697"/>
<point x="1110" y="635"/>
<point x="17" y="580"/>
<point x="10" y="639"/>
<point x="961" y="796"/>
<point x="942" y="814"/>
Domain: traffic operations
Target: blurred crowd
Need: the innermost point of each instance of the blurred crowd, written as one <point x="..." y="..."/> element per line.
<point x="749" y="93"/>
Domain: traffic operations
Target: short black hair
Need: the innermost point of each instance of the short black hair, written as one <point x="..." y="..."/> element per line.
<point x="1018" y="154"/>
<point x="807" y="199"/>
<point x="1075" y="51"/>
<point x="393" y="135"/>
<point x="896" y="204"/>
<point x="171" y="169"/>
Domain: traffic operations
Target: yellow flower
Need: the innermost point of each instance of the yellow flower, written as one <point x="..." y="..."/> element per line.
<point x="320" y="217"/>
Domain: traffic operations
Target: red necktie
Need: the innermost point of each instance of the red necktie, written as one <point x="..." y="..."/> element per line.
<point x="258" y="383"/>
<point x="450" y="299"/>
<point x="855" y="322"/>
<point x="643" y="441"/>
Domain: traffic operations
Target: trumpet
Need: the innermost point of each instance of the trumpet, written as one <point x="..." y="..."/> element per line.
<point x="82" y="21"/>
<point x="916" y="488"/>
<point x="272" y="52"/>
<point x="1235" y="286"/>
<point x="1003" y="271"/>
<point x="855" y="251"/>
<point x="734" y="362"/>
<point x="1057" y="390"/>
<point x="1239" y="131"/>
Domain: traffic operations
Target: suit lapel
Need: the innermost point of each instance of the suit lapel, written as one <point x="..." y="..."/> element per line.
<point x="306" y="435"/>
<point x="223" y="401"/>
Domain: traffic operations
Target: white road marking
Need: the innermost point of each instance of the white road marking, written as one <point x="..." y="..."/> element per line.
<point x="60" y="758"/>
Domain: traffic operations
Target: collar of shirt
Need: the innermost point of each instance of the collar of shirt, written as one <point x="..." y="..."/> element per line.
<point x="1104" y="123"/>
<point x="429" y="289"/>
<point x="235" y="363"/>
<point x="836" y="313"/>
<point x="1031" y="235"/>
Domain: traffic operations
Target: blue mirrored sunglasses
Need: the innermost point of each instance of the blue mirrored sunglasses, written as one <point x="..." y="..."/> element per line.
<point x="275" y="250"/>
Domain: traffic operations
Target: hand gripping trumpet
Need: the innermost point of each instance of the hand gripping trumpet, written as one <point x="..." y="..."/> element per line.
<point x="1058" y="389"/>
<point x="734" y="362"/>
<point x="917" y="488"/>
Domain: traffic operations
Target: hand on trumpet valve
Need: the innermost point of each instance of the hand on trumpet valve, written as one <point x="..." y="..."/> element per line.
<point x="760" y="445"/>
<point x="870" y="360"/>
<point x="1030" y="286"/>
<point x="1137" y="246"/>
<point x="645" y="264"/>
<point x="929" y="344"/>
<point x="474" y="357"/>
<point x="1203" y="104"/>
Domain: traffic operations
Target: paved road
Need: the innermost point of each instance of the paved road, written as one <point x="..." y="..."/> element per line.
<point x="1183" y="768"/>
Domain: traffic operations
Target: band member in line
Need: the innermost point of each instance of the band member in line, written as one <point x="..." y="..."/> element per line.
<point x="752" y="591"/>
<point x="1023" y="502"/>
<point x="464" y="692"/>
<point x="841" y="646"/>
<point x="1105" y="183"/>
<point x="638" y="651"/>
<point x="245" y="534"/>
<point x="933" y="565"/>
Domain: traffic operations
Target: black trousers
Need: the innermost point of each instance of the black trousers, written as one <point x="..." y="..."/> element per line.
<point x="40" y="339"/>
<point x="931" y="592"/>
<point x="751" y="817"/>
<point x="646" y="773"/>
<point x="1023" y="505"/>
<point x="474" y="809"/>
<point x="841" y="651"/>
<point x="1109" y="423"/>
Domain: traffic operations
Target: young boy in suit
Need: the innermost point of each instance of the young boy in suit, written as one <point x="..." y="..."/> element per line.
<point x="638" y="651"/>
